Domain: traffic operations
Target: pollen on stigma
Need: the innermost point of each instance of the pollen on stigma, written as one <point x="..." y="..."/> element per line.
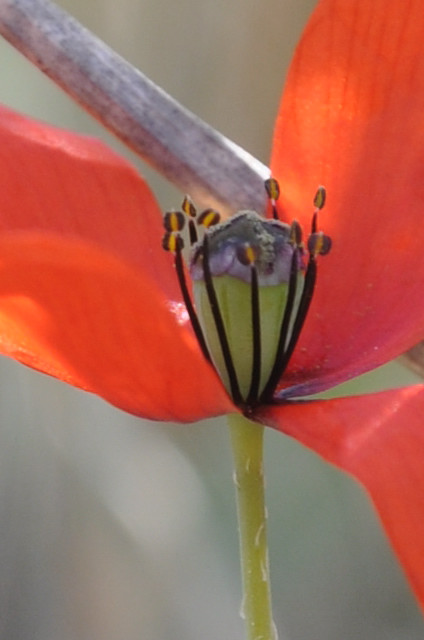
<point x="253" y="281"/>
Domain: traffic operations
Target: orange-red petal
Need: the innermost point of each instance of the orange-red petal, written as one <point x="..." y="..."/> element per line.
<point x="379" y="439"/>
<point x="81" y="314"/>
<point x="352" y="119"/>
<point x="56" y="181"/>
<point x="87" y="293"/>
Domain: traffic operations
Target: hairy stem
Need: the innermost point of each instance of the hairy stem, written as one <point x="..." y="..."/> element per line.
<point x="247" y="445"/>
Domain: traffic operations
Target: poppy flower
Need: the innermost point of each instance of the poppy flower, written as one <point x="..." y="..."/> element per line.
<point x="88" y="295"/>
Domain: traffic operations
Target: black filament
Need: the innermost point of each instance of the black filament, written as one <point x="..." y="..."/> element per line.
<point x="256" y="337"/>
<point x="189" y="305"/>
<point x="281" y="360"/>
<point x="220" y="328"/>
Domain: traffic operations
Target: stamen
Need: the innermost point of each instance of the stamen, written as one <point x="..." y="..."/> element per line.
<point x="172" y="242"/>
<point x="174" y="221"/>
<point x="296" y="234"/>
<point x="246" y="254"/>
<point x="256" y="337"/>
<point x="273" y="191"/>
<point x="319" y="244"/>
<point x="281" y="359"/>
<point x="261" y="264"/>
<point x="305" y="301"/>
<point x="188" y="207"/>
<point x="191" y="212"/>
<point x="219" y="325"/>
<point x="319" y="202"/>
<point x="188" y="303"/>
<point x="208" y="218"/>
<point x="320" y="196"/>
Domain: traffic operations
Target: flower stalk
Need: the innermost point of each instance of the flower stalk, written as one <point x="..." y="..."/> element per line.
<point x="247" y="446"/>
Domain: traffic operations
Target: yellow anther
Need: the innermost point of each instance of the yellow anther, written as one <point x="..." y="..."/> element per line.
<point x="250" y="255"/>
<point x="172" y="242"/>
<point x="188" y="207"/>
<point x="209" y="217"/>
<point x="173" y="221"/>
<point x="246" y="254"/>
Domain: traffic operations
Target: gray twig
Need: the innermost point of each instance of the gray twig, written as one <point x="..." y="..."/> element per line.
<point x="183" y="148"/>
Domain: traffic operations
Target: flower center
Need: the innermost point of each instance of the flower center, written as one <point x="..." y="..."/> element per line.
<point x="253" y="282"/>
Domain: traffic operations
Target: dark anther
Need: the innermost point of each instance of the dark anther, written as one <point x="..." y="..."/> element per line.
<point x="319" y="244"/>
<point x="272" y="188"/>
<point x="273" y="191"/>
<point x="296" y="233"/>
<point x="319" y="200"/>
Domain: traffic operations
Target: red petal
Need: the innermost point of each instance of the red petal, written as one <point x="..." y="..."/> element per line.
<point x="352" y="119"/>
<point x="60" y="182"/>
<point x="84" y="316"/>
<point x="378" y="438"/>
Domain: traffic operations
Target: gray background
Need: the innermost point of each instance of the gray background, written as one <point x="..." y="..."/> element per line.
<point x="114" y="528"/>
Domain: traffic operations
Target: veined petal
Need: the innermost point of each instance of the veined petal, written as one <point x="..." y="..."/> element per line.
<point x="82" y="315"/>
<point x="352" y="119"/>
<point x="379" y="439"/>
<point x="59" y="182"/>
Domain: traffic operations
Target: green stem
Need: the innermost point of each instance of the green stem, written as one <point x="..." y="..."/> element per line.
<point x="247" y="444"/>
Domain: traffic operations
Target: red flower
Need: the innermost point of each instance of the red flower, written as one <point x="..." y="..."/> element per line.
<point x="88" y="295"/>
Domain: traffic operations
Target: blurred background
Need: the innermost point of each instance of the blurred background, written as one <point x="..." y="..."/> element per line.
<point x="114" y="528"/>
